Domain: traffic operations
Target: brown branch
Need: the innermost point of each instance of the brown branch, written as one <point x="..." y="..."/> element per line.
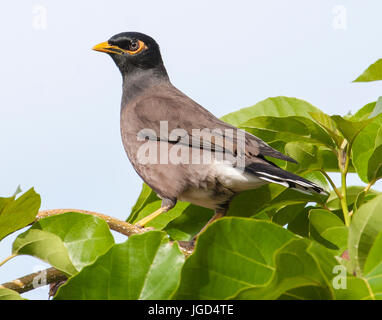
<point x="120" y="226"/>
<point x="52" y="275"/>
<point x="29" y="281"/>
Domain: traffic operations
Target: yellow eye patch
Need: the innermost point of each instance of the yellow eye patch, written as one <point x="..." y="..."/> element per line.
<point x="106" y="47"/>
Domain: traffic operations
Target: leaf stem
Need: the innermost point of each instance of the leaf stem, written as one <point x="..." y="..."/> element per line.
<point x="334" y="187"/>
<point x="8" y="258"/>
<point x="371" y="183"/>
<point x="344" y="170"/>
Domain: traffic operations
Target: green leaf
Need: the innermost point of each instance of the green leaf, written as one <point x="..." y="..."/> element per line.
<point x="18" y="213"/>
<point x="232" y="254"/>
<point x="8" y="294"/>
<point x="334" y="203"/>
<point x="368" y="285"/>
<point x="350" y="129"/>
<point x="374" y="258"/>
<point x="67" y="241"/>
<point x="145" y="267"/>
<point x="163" y="219"/>
<point x="327" y="229"/>
<point x="367" y="151"/>
<point x="310" y="157"/>
<point x="356" y="289"/>
<point x="290" y="129"/>
<point x="374" y="171"/>
<point x="297" y="265"/>
<point x="300" y="224"/>
<point x="146" y="197"/>
<point x="363" y="197"/>
<point x="276" y="107"/>
<point x="305" y="293"/>
<point x="327" y="122"/>
<point x="372" y="73"/>
<point x="45" y="246"/>
<point x="377" y="109"/>
<point x="287" y="214"/>
<point x="364" y="113"/>
<point x="251" y="202"/>
<point x="292" y="196"/>
<point x="189" y="223"/>
<point x="364" y="229"/>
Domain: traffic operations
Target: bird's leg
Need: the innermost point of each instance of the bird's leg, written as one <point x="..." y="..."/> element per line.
<point x="189" y="245"/>
<point x="219" y="213"/>
<point x="167" y="204"/>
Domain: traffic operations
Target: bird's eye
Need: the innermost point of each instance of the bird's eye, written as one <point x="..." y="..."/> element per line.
<point x="134" y="45"/>
<point x="130" y="46"/>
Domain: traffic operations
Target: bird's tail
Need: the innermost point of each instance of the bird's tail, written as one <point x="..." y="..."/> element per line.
<point x="272" y="173"/>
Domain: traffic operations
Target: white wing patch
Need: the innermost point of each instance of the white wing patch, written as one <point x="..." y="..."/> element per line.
<point x="236" y="179"/>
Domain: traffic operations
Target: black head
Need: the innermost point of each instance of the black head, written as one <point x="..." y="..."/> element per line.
<point x="131" y="51"/>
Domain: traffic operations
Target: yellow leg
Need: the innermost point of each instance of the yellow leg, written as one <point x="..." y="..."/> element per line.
<point x="146" y="220"/>
<point x="216" y="216"/>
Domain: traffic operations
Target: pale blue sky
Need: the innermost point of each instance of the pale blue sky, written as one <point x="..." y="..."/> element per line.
<point x="59" y="124"/>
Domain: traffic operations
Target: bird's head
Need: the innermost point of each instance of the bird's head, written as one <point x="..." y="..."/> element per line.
<point x="131" y="51"/>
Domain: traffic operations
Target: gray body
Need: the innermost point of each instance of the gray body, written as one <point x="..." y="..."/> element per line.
<point x="146" y="102"/>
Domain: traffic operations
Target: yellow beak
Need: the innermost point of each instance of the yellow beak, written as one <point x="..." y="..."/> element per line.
<point x="106" y="47"/>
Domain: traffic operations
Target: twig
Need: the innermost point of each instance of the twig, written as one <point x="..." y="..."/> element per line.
<point x="371" y="183"/>
<point x="8" y="258"/>
<point x="120" y="226"/>
<point x="28" y="282"/>
<point x="52" y="275"/>
<point x="117" y="225"/>
<point x="332" y="184"/>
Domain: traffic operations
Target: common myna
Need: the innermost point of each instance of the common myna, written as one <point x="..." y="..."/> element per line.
<point x="179" y="148"/>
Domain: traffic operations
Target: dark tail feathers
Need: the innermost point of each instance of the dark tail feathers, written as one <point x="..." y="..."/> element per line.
<point x="271" y="173"/>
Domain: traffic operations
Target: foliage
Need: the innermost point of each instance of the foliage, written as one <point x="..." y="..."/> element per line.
<point x="275" y="243"/>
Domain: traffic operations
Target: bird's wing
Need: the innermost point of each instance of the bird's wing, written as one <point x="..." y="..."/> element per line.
<point x="185" y="118"/>
<point x="185" y="114"/>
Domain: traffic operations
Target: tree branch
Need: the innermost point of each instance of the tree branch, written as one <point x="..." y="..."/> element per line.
<point x="120" y="226"/>
<point x="28" y="282"/>
<point x="52" y="275"/>
<point x="117" y="225"/>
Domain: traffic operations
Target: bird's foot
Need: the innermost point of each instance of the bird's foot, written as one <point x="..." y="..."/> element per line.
<point x="143" y="228"/>
<point x="187" y="244"/>
<point x="187" y="247"/>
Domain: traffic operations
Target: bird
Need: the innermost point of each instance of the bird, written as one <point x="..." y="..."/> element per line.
<point x="178" y="147"/>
